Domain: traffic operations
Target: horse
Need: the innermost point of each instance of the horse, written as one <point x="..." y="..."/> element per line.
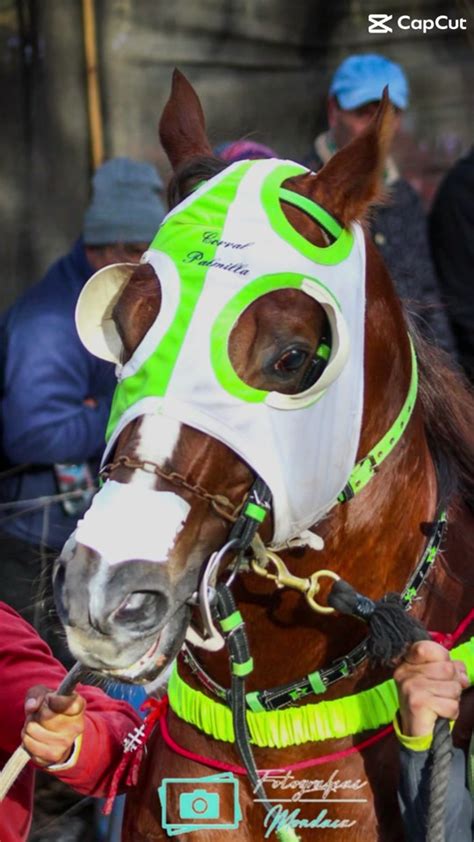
<point x="131" y="581"/>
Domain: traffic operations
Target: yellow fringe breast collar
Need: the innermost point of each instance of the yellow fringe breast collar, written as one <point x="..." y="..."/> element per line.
<point x="335" y="719"/>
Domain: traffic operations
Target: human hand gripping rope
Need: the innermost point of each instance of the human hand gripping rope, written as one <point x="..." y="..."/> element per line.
<point x="132" y="743"/>
<point x="391" y="631"/>
<point x="20" y="757"/>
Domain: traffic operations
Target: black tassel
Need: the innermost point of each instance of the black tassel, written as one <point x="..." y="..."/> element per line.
<point x="391" y="629"/>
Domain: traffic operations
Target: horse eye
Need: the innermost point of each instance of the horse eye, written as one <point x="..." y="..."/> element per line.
<point x="291" y="361"/>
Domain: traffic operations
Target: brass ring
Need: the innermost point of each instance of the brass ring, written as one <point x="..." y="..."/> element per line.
<point x="320" y="609"/>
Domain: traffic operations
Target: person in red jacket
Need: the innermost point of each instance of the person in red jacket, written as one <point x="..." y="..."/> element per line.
<point x="78" y="738"/>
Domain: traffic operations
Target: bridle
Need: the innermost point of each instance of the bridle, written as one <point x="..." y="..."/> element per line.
<point x="215" y="600"/>
<point x="248" y="551"/>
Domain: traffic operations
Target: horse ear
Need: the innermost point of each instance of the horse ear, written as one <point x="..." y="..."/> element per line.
<point x="182" y="126"/>
<point x="352" y="179"/>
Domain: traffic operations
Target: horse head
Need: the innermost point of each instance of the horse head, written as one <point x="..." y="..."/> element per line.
<point x="239" y="343"/>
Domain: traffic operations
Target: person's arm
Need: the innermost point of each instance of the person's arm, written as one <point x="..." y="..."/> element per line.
<point x="25" y="661"/>
<point x="413" y="796"/>
<point x="429" y="685"/>
<point x="78" y="738"/>
<point x="47" y="417"/>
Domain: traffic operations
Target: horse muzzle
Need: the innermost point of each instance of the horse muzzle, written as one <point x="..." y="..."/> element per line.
<point x="125" y="620"/>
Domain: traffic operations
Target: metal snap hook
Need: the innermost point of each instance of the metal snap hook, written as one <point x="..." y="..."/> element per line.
<point x="308" y="586"/>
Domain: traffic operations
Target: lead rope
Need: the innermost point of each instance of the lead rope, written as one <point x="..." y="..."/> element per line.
<point x="240" y="660"/>
<point x="20" y="756"/>
<point x="241" y="665"/>
<point x="391" y="631"/>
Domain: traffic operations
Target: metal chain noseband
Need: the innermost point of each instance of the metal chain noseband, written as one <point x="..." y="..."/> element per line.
<point x="218" y="502"/>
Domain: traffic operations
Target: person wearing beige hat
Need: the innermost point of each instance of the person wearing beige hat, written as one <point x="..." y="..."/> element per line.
<point x="56" y="395"/>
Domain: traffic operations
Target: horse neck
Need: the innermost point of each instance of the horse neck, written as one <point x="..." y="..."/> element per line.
<point x="374" y="541"/>
<point x="383" y="524"/>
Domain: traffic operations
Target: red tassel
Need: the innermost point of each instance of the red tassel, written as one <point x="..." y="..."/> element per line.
<point x="133" y="746"/>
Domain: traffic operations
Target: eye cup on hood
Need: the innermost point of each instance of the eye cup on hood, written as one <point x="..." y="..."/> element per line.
<point x="227" y="322"/>
<point x="94" y="323"/>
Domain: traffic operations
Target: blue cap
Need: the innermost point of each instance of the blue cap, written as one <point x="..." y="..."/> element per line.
<point x="126" y="204"/>
<point x="361" y="79"/>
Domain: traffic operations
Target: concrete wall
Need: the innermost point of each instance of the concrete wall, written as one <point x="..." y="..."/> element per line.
<point x="261" y="68"/>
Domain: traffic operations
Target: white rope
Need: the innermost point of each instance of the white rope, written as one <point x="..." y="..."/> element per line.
<point x="12" y="769"/>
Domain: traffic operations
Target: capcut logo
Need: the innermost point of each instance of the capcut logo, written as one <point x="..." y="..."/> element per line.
<point x="379" y="23"/>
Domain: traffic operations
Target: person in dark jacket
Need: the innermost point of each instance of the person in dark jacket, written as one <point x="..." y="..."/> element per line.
<point x="398" y="226"/>
<point x="56" y="395"/>
<point x="429" y="685"/>
<point x="452" y="243"/>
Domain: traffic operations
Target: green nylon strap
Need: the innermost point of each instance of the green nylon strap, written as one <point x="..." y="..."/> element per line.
<point x="312" y="209"/>
<point x="242" y="669"/>
<point x="365" y="469"/>
<point x="287" y="834"/>
<point x="254" y="702"/>
<point x="231" y="622"/>
<point x="339" y="718"/>
<point x="256" y="512"/>
<point x="317" y="684"/>
<point x="323" y="351"/>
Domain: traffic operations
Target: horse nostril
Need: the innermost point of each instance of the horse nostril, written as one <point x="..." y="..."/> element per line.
<point x="145" y="608"/>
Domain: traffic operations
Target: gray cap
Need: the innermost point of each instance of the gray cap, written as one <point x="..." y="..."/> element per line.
<point x="126" y="206"/>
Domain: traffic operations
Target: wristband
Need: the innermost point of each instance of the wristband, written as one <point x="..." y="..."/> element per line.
<point x="420" y="743"/>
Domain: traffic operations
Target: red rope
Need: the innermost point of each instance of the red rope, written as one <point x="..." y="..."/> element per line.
<point x="239" y="770"/>
<point x="448" y="640"/>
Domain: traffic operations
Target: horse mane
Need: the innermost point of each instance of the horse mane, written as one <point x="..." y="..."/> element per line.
<point x="446" y="396"/>
<point x="190" y="174"/>
<point x="447" y="400"/>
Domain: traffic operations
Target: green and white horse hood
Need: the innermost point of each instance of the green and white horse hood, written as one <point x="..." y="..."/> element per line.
<point x="218" y="251"/>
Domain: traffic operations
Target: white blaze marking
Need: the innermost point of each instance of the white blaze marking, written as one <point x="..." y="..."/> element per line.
<point x="158" y="437"/>
<point x="129" y="521"/>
